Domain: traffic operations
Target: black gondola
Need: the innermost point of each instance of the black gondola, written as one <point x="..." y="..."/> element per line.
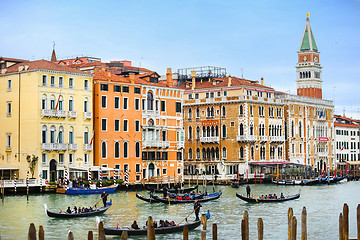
<point x="74" y="215"/>
<point x="258" y="200"/>
<point x="146" y="199"/>
<point x="173" y="190"/>
<point x="158" y="230"/>
<point x="206" y="198"/>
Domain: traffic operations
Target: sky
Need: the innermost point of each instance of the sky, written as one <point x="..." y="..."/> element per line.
<point x="251" y="38"/>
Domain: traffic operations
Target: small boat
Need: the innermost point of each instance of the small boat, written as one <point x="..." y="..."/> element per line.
<point x="83" y="190"/>
<point x="158" y="230"/>
<point x="146" y="199"/>
<point x="257" y="200"/>
<point x="95" y="212"/>
<point x="206" y="198"/>
<point x="235" y="184"/>
<point x="173" y="190"/>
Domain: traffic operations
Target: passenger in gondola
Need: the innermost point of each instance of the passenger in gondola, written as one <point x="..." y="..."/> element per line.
<point x="274" y="196"/>
<point x="155" y="224"/>
<point x="165" y="191"/>
<point x="282" y="195"/>
<point x="68" y="210"/>
<point x="162" y="223"/>
<point x="270" y="196"/>
<point x="134" y="225"/>
<point x="266" y="197"/>
<point x="74" y="210"/>
<point x="172" y="223"/>
<point x="166" y="224"/>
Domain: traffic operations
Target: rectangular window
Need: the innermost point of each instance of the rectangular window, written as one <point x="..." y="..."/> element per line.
<point x="136" y="90"/>
<point x="196" y="96"/>
<point x="143" y="104"/>
<point x="71" y="83"/>
<point x="117" y="125"/>
<point x="61" y="81"/>
<point x="103" y="124"/>
<point x="164" y="156"/>
<point x="178" y="107"/>
<point x="179" y="156"/>
<point x="225" y="93"/>
<point x="207" y="95"/>
<point x="218" y="94"/>
<point x="117" y="166"/>
<point x="137" y="104"/>
<point x="8" y="141"/>
<point x="125" y="103"/>
<point x="117" y="103"/>
<point x="52" y="81"/>
<point x="70" y="105"/>
<point x="103" y="101"/>
<point x="164" y="171"/>
<point x="86" y="84"/>
<point x="86" y="137"/>
<point x="125" y="89"/>
<point x="44" y="174"/>
<point x="248" y="92"/>
<point x="9" y="85"/>
<point x="86" y="158"/>
<point x="125" y="125"/>
<point x="44" y="80"/>
<point x="212" y="95"/>
<point x="8" y="109"/>
<point x="117" y="88"/>
<point x="163" y="135"/>
<point x="163" y="106"/>
<point x="44" y="159"/>
<point x="104" y="87"/>
<point x="61" y="159"/>
<point x="137" y="126"/>
<point x="190" y="96"/>
<point x="137" y="168"/>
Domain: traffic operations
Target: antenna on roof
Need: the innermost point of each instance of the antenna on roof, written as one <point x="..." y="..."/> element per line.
<point x="344" y="112"/>
<point x="242" y="73"/>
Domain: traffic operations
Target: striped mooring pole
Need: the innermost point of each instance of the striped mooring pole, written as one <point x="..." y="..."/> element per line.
<point x="15" y="182"/>
<point x="40" y="183"/>
<point x="100" y="177"/>
<point x="66" y="178"/>
<point x="89" y="175"/>
<point x="27" y="185"/>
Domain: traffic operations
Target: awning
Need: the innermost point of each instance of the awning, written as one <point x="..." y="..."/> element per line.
<point x="353" y="162"/>
<point x="9" y="168"/>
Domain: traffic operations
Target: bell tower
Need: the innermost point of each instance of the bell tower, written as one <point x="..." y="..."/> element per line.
<point x="308" y="68"/>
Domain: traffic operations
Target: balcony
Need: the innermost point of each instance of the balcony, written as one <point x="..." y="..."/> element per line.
<point x="87" y="115"/>
<point x="73" y="147"/>
<point x="72" y="114"/>
<point x="151" y="112"/>
<point x="180" y="144"/>
<point x="246" y="138"/>
<point x="156" y="144"/>
<point x="88" y="147"/>
<point x="263" y="138"/>
<point x="322" y="154"/>
<point x="210" y="139"/>
<point x="277" y="139"/>
<point x="54" y="147"/>
<point x="53" y="113"/>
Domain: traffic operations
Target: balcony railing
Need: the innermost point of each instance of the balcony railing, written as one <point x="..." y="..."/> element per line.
<point x="246" y="138"/>
<point x="277" y="139"/>
<point x="151" y="112"/>
<point x="209" y="139"/>
<point x="263" y="138"/>
<point x="54" y="146"/>
<point x="73" y="147"/>
<point x="156" y="144"/>
<point x="88" y="147"/>
<point x="87" y="115"/>
<point x="180" y="144"/>
<point x="322" y="154"/>
<point x="72" y="114"/>
<point x="53" y="113"/>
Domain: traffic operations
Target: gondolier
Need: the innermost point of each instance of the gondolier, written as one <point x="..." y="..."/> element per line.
<point x="197" y="207"/>
<point x="104" y="198"/>
<point x="248" y="191"/>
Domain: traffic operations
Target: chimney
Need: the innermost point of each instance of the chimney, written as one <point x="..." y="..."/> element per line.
<point x="262" y="81"/>
<point x="132" y="78"/>
<point x="169" y="80"/>
<point x="229" y="82"/>
<point x="193" y="75"/>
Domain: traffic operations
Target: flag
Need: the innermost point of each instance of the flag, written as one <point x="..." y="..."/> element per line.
<point x="91" y="141"/>
<point x="57" y="104"/>
<point x="343" y="146"/>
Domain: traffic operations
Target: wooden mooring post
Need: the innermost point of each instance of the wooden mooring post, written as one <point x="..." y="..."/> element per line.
<point x="346" y="221"/>
<point x="32" y="232"/>
<point x="293" y="228"/>
<point x="358" y="221"/>
<point x="101" y="231"/>
<point x="260" y="229"/>
<point x="303" y="224"/>
<point x="41" y="233"/>
<point x="185" y="233"/>
<point x="90" y="235"/>
<point x="214" y="231"/>
<point x="245" y="227"/>
<point x="290" y="215"/>
<point x="124" y="235"/>
<point x="150" y="229"/>
<point x="70" y="235"/>
<point x="341" y="227"/>
<point x="203" y="222"/>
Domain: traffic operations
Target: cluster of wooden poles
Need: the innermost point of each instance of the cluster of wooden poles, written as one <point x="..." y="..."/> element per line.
<point x="292" y="228"/>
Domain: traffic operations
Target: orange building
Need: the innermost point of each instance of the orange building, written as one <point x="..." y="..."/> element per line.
<point x="138" y="126"/>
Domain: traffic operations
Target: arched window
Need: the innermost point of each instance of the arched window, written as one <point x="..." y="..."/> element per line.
<point x="126" y="150"/>
<point x="212" y="153"/>
<point x="150" y="101"/>
<point x="223" y="111"/>
<point x="197" y="132"/>
<point x="53" y="134"/>
<point x="190" y="154"/>
<point x="212" y="131"/>
<point x="117" y="150"/>
<point x="241" y="110"/>
<point x="292" y="129"/>
<point x="208" y="113"/>
<point x="198" y="153"/>
<point x="224" y="154"/>
<point x="241" y="153"/>
<point x="208" y="154"/>
<point x="212" y="112"/>
<point x="300" y="74"/>
<point x="204" y="131"/>
<point x="208" y="132"/>
<point x="44" y="102"/>
<point x="44" y="134"/>
<point x="216" y="130"/>
<point x="197" y="113"/>
<point x="251" y="129"/>
<point x="217" y="153"/>
<point x="86" y="136"/>
<point x="71" y="135"/>
<point x="60" y="137"/>
<point x="309" y="74"/>
<point x="190" y="133"/>
<point x="137" y="150"/>
<point x="224" y="131"/>
<point x="204" y="153"/>
<point x="190" y="114"/>
<point x="300" y="129"/>
<point x="103" y="150"/>
<point x="71" y="104"/>
<point x="86" y="105"/>
<point x="59" y="104"/>
<point x="52" y="102"/>
<point x="241" y="130"/>
<point x="252" y="152"/>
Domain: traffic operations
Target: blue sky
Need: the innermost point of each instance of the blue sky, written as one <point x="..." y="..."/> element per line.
<point x="253" y="38"/>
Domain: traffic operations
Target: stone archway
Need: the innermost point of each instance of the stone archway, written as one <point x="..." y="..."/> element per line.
<point x="52" y="170"/>
<point x="151" y="170"/>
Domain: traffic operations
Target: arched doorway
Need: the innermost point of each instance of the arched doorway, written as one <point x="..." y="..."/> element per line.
<point x="151" y="170"/>
<point x="52" y="171"/>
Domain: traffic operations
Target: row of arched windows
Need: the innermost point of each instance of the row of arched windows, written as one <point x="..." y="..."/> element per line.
<point x="57" y="103"/>
<point x="306" y="74"/>
<point x="117" y="145"/>
<point x="208" y="131"/>
<point x="57" y="135"/>
<point x="207" y="153"/>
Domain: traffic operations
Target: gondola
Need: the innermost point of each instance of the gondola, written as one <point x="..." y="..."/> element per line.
<point x="146" y="199"/>
<point x="158" y="230"/>
<point x="173" y="190"/>
<point x="75" y="215"/>
<point x="235" y="184"/>
<point x="206" y="198"/>
<point x="75" y="191"/>
<point x="258" y="200"/>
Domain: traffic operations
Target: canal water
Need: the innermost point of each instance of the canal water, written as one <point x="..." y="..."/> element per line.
<point x="324" y="204"/>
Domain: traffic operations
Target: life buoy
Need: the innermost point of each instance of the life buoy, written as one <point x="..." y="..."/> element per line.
<point x="46" y="182"/>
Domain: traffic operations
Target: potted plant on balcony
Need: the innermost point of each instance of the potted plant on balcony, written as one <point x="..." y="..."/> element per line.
<point x="32" y="161"/>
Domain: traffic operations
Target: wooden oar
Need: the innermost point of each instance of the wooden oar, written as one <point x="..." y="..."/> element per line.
<point x="97" y="202"/>
<point x="187" y="216"/>
<point x="254" y="197"/>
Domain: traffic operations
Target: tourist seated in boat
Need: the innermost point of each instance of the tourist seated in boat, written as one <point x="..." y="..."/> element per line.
<point x="68" y="210"/>
<point x="262" y="197"/>
<point x="266" y="197"/>
<point x="155" y="224"/>
<point x="282" y="195"/>
<point x="162" y="223"/>
<point x="172" y="223"/>
<point x="274" y="196"/>
<point x="207" y="214"/>
<point x="166" y="224"/>
<point x="270" y="196"/>
<point x="134" y="225"/>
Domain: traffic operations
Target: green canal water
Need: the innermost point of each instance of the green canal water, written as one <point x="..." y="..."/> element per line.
<point x="324" y="204"/>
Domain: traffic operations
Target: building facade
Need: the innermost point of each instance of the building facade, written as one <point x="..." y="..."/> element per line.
<point x="138" y="127"/>
<point x="48" y="115"/>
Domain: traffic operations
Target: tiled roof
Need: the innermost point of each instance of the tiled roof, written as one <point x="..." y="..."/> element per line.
<point x="42" y="64"/>
<point x="13" y="59"/>
<point x="84" y="65"/>
<point x="235" y="81"/>
<point x="350" y="125"/>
